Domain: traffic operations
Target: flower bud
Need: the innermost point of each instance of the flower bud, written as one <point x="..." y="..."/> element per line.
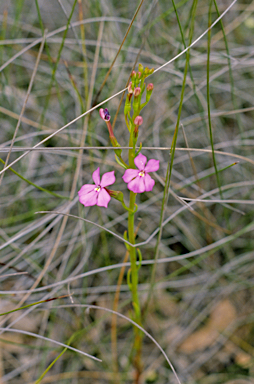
<point x="104" y="114"/>
<point x="137" y="91"/>
<point x="139" y="75"/>
<point x="130" y="90"/>
<point x="118" y="195"/>
<point x="138" y="120"/>
<point x="149" y="88"/>
<point x="127" y="106"/>
<point x="146" y="71"/>
<point x="133" y="75"/>
<point x="140" y="68"/>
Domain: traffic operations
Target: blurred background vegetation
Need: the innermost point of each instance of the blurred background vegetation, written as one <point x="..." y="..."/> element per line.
<point x="54" y="59"/>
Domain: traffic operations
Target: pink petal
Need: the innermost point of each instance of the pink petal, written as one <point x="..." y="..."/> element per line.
<point x="89" y="199"/>
<point x="140" y="161"/>
<point x="96" y="176"/>
<point x="137" y="185"/>
<point x="152" y="165"/>
<point x="107" y="179"/>
<point x="86" y="189"/>
<point x="149" y="183"/>
<point x="103" y="198"/>
<point x="129" y="174"/>
<point x="102" y="113"/>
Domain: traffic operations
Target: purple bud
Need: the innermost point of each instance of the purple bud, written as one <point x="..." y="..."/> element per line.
<point x="138" y="120"/>
<point x="104" y="114"/>
<point x="137" y="91"/>
<point x="149" y="87"/>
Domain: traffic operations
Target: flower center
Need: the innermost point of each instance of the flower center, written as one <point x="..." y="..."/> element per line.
<point x="142" y="173"/>
<point x="106" y="114"/>
<point x="97" y="189"/>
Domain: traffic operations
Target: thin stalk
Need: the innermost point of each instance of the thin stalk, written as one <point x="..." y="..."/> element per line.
<point x="134" y="272"/>
<point x="208" y="95"/>
<point x="114" y="320"/>
<point x="231" y="77"/>
<point x="114" y="317"/>
<point x="71" y="339"/>
<point x="134" y="268"/>
<point x="55" y="66"/>
<point x="35" y="185"/>
<point x="134" y="290"/>
<point x="83" y="44"/>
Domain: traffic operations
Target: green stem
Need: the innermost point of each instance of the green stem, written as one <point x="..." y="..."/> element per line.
<point x="131" y="150"/>
<point x="134" y="271"/>
<point x="126" y="122"/>
<point x="131" y="235"/>
<point x="133" y="257"/>
<point x="134" y="289"/>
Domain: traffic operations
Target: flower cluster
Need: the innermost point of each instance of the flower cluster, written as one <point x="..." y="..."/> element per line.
<point x="138" y="181"/>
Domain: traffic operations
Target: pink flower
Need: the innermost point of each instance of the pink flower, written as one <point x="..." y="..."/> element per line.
<point x="138" y="179"/>
<point x="91" y="194"/>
